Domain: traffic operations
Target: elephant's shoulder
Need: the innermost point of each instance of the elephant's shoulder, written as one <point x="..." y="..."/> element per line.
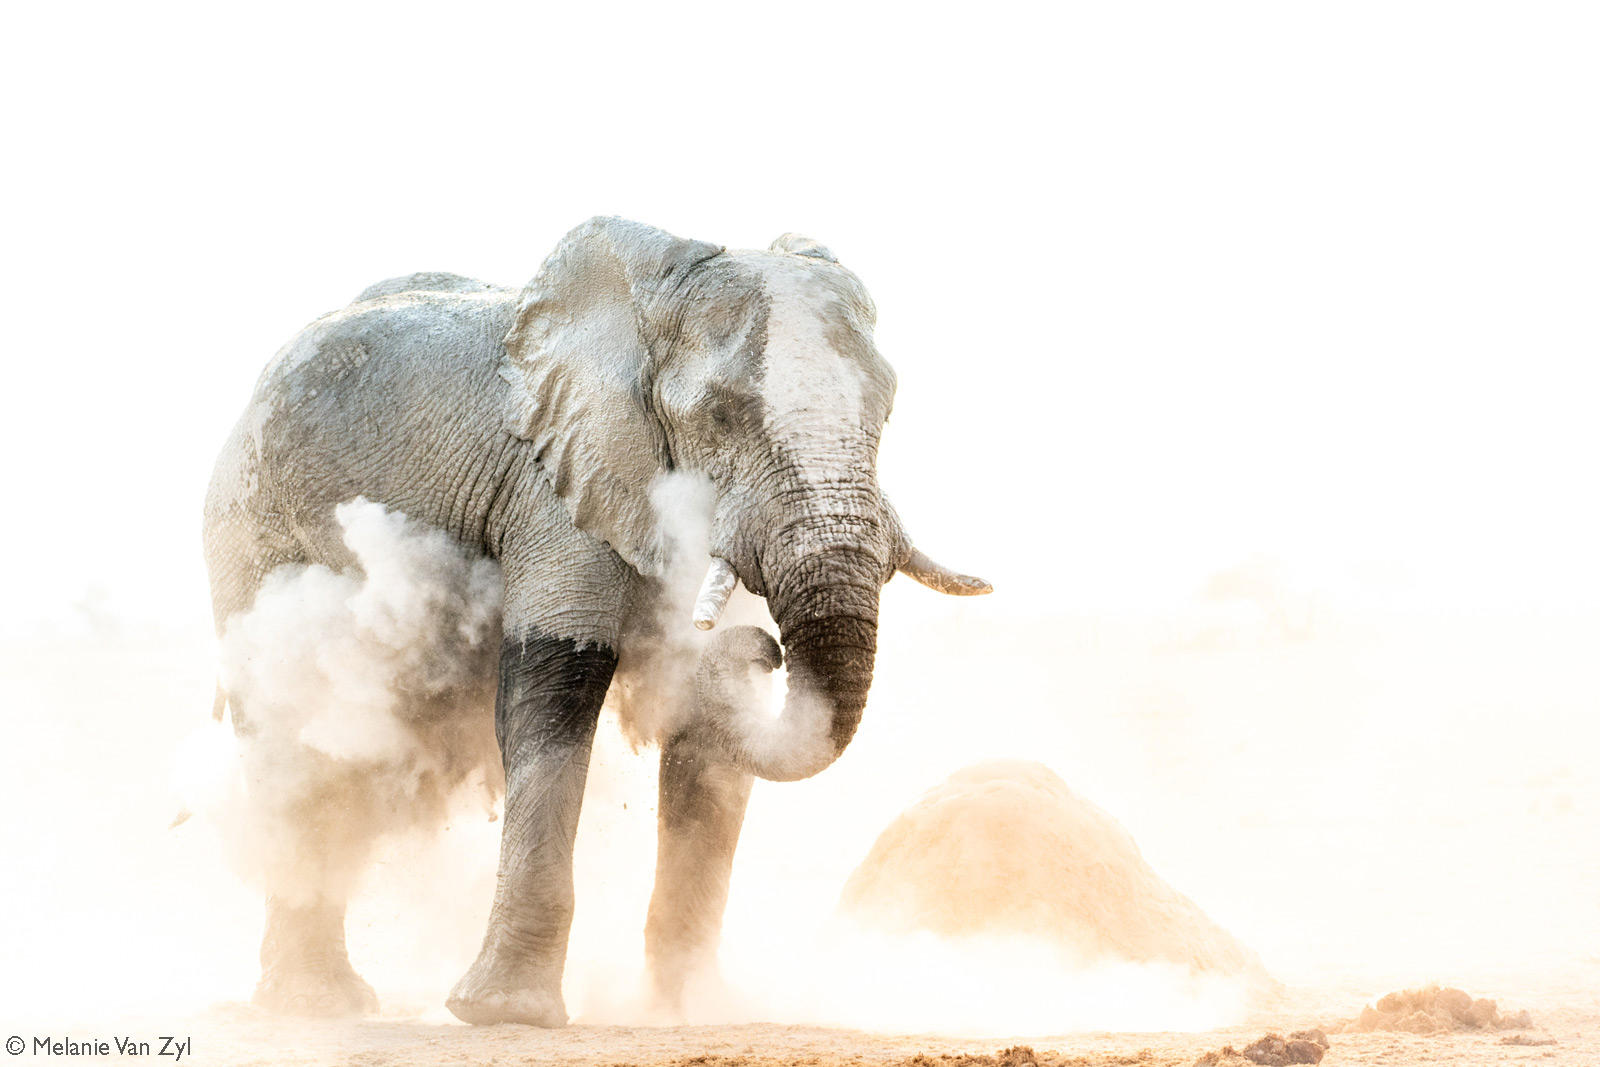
<point x="427" y="282"/>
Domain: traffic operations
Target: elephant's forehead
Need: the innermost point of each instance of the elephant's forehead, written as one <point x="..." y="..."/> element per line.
<point x="805" y="371"/>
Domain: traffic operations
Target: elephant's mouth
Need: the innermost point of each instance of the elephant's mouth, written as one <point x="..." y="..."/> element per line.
<point x="826" y="605"/>
<point x="722" y="575"/>
<point x="830" y="650"/>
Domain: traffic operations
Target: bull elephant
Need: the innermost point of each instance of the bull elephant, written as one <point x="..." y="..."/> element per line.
<point x="530" y="425"/>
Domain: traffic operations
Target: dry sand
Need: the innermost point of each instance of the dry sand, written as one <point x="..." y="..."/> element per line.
<point x="237" y="1035"/>
<point x="1005" y="846"/>
<point x="1369" y="809"/>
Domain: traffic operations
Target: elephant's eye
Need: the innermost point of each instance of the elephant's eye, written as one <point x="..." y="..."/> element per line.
<point x="729" y="409"/>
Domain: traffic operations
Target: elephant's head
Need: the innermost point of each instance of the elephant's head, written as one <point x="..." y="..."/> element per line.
<point x="635" y="353"/>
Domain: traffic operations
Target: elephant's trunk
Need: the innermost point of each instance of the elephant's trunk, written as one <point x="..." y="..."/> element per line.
<point x="826" y="606"/>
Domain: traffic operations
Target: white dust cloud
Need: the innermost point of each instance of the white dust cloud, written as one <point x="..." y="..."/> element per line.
<point x="655" y="676"/>
<point x="660" y="654"/>
<point x="849" y="975"/>
<point x="363" y="700"/>
<point x="1255" y="599"/>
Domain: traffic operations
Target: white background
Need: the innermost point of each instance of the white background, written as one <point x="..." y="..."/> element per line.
<point x="1167" y="287"/>
<point x="1164" y="285"/>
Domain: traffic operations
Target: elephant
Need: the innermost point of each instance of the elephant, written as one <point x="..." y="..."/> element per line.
<point x="530" y="426"/>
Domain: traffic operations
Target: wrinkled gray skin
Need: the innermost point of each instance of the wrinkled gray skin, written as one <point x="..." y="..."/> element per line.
<point x="530" y="425"/>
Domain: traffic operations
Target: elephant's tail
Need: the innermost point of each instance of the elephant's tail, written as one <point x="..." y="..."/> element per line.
<point x="219" y="704"/>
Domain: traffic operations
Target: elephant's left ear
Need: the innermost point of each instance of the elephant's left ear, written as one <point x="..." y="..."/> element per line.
<point x="579" y="363"/>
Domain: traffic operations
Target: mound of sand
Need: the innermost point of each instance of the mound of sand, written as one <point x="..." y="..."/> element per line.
<point x="1305" y="1046"/>
<point x="1005" y="847"/>
<point x="1432" y="1010"/>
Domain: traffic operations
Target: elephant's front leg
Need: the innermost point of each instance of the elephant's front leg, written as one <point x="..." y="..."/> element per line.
<point x="701" y="810"/>
<point x="545" y="713"/>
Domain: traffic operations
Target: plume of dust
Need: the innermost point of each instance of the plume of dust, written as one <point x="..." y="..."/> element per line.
<point x="655" y="676"/>
<point x="981" y="985"/>
<point x="656" y="684"/>
<point x="361" y="703"/>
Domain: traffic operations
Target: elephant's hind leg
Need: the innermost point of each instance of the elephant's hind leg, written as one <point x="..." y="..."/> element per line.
<point x="305" y="969"/>
<point x="701" y="810"/>
<point x="317" y="831"/>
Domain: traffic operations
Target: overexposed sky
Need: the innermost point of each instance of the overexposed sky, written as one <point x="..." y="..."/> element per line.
<point x="1165" y="285"/>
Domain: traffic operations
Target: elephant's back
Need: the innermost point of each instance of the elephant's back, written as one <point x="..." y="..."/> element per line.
<point x="428" y="282"/>
<point x="403" y="340"/>
<point x="397" y="398"/>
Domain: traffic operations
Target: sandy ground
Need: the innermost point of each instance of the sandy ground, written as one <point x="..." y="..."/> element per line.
<point x="237" y="1035"/>
<point x="1371" y="808"/>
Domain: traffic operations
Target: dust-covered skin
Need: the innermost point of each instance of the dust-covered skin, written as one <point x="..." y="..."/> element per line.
<point x="534" y="428"/>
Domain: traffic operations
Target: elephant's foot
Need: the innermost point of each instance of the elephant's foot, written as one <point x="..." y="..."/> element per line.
<point x="320" y="988"/>
<point x="675" y="980"/>
<point x="305" y="969"/>
<point x="667" y="977"/>
<point x="490" y="994"/>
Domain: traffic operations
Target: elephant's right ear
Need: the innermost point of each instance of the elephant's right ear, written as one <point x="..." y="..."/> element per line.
<point x="801" y="245"/>
<point x="579" y="363"/>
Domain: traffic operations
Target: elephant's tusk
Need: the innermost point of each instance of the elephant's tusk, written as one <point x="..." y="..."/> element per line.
<point x="714" y="593"/>
<point x="938" y="576"/>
